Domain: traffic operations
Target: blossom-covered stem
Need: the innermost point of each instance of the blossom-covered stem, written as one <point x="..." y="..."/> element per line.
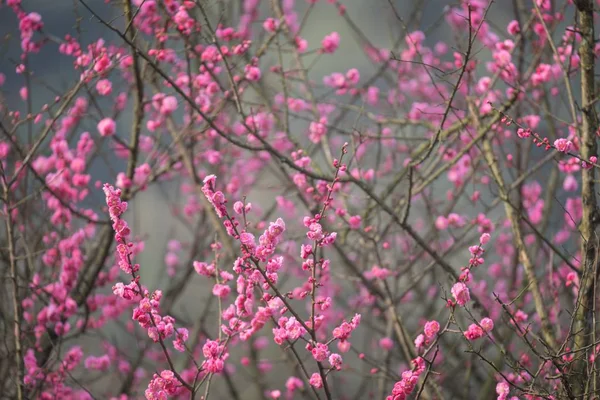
<point x="208" y="377"/>
<point x="590" y="161"/>
<point x="338" y="165"/>
<point x="116" y="208"/>
<point x="256" y="261"/>
<point x="260" y="269"/>
<point x="434" y="345"/>
<point x="170" y="362"/>
<point x="160" y="339"/>
<point x="280" y="295"/>
<point x="313" y="291"/>
<point x="313" y="333"/>
<point x="302" y="367"/>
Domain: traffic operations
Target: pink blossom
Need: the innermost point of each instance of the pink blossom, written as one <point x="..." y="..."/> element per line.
<point x="252" y="73"/>
<point x="431" y="329"/>
<point x="104" y="87"/>
<point x="221" y="291"/>
<point x="386" y="343"/>
<point x="217" y="199"/>
<point x="163" y="385"/>
<point x="292" y="384"/>
<point x="474" y="332"/>
<point x="420" y="341"/>
<point x="215" y="356"/>
<point x="455" y="220"/>
<point x="409" y="381"/>
<point x="181" y="337"/>
<point x="502" y="390"/>
<point x="168" y="105"/>
<point x="563" y="145"/>
<point x="107" y="127"/>
<point x="238" y="207"/>
<point x="316" y="381"/>
<point x="380" y="273"/>
<point x="97" y="363"/>
<point x="336" y="361"/>
<point x="461" y="294"/>
<point x="203" y="268"/>
<point x="484" y="238"/>
<point x="301" y="44"/>
<point x="317" y="130"/>
<point x="320" y="352"/>
<point x="441" y="223"/>
<point x="270" y="25"/>
<point x="355" y="221"/>
<point x="487" y="324"/>
<point x="330" y="43"/>
<point x="513" y="27"/>
<point x="570" y="183"/>
<point x="523" y="133"/>
<point x="572" y="279"/>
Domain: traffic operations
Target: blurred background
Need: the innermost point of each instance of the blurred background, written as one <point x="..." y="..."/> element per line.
<point x="375" y="18"/>
<point x="151" y="211"/>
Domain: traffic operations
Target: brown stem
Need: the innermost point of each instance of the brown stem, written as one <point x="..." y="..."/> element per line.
<point x="589" y="245"/>
<point x="14" y="292"/>
<point x="138" y="106"/>
<point x="524" y="257"/>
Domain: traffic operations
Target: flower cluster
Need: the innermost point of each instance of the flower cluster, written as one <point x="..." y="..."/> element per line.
<point x="404" y="387"/>
<point x="430" y="331"/>
<point x="217" y="199"/>
<point x="215" y="356"/>
<point x="162" y="386"/>
<point x="475" y="331"/>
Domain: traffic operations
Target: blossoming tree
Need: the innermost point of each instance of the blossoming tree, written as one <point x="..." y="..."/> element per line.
<point x="424" y="230"/>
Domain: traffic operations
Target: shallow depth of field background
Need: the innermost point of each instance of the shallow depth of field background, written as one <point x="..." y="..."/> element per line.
<point x="374" y="17"/>
<point x="150" y="213"/>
